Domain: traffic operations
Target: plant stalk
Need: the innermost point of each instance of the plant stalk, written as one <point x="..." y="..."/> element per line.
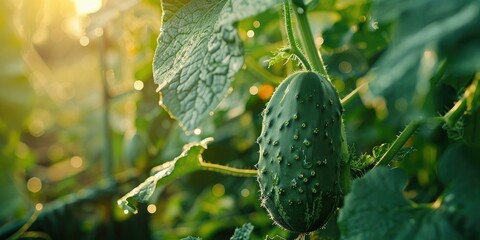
<point x="228" y="170"/>
<point x="452" y="116"/>
<point x="291" y="39"/>
<point x="399" y="142"/>
<point x="309" y="42"/>
<point x="352" y="95"/>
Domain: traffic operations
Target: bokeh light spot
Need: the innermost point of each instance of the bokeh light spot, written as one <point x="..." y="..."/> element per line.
<point x="253" y="90"/>
<point x="345" y="67"/>
<point x="218" y="190"/>
<point x="38" y="207"/>
<point x="151" y="208"/>
<point x="250" y="33"/>
<point x="245" y="192"/>
<point x="36" y="127"/>
<point x="138" y="85"/>
<point x="98" y="32"/>
<point x="76" y="162"/>
<point x="197" y="131"/>
<point x="34" y="184"/>
<point x="84" y="41"/>
<point x="319" y="41"/>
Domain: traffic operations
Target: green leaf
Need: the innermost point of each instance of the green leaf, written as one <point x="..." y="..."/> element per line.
<point x="377" y="209"/>
<point x="243" y="232"/>
<point x="188" y="161"/>
<point x="282" y="55"/>
<point x="459" y="170"/>
<point x="377" y="199"/>
<point x="191" y="238"/>
<point x="425" y="32"/>
<point x="198" y="52"/>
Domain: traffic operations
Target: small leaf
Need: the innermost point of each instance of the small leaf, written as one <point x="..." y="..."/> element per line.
<point x="366" y="161"/>
<point x="198" y="52"/>
<point x="243" y="232"/>
<point x="188" y="161"/>
<point x="281" y="55"/>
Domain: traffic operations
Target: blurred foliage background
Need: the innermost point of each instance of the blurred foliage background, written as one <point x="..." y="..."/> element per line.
<point x="80" y="123"/>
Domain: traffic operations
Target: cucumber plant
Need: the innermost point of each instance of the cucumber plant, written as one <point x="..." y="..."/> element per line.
<point x="305" y="167"/>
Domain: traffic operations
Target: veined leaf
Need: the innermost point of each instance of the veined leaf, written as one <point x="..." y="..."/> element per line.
<point x="376" y="208"/>
<point x="198" y="52"/>
<point x="188" y="161"/>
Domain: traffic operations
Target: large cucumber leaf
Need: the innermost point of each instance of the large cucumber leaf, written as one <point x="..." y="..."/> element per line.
<point x="198" y="52"/>
<point x="376" y="208"/>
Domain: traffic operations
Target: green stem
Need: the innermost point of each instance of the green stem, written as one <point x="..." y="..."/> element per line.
<point x="399" y="142"/>
<point x="25" y="226"/>
<point x="290" y="36"/>
<point x="309" y="42"/>
<point x="452" y="116"/>
<point x="228" y="170"/>
<point x="352" y="95"/>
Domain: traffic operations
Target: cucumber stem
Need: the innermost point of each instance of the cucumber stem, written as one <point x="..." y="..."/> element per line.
<point x="228" y="170"/>
<point x="352" y="95"/>
<point x="308" y="41"/>
<point x="452" y="116"/>
<point x="399" y="142"/>
<point x="291" y="39"/>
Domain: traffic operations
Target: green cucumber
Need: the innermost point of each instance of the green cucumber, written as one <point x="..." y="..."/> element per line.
<point x="300" y="153"/>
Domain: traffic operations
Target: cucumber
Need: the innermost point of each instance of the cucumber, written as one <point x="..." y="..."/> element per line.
<point x="300" y="153"/>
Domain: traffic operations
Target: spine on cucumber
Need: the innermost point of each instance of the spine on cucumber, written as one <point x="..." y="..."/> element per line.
<point x="300" y="153"/>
